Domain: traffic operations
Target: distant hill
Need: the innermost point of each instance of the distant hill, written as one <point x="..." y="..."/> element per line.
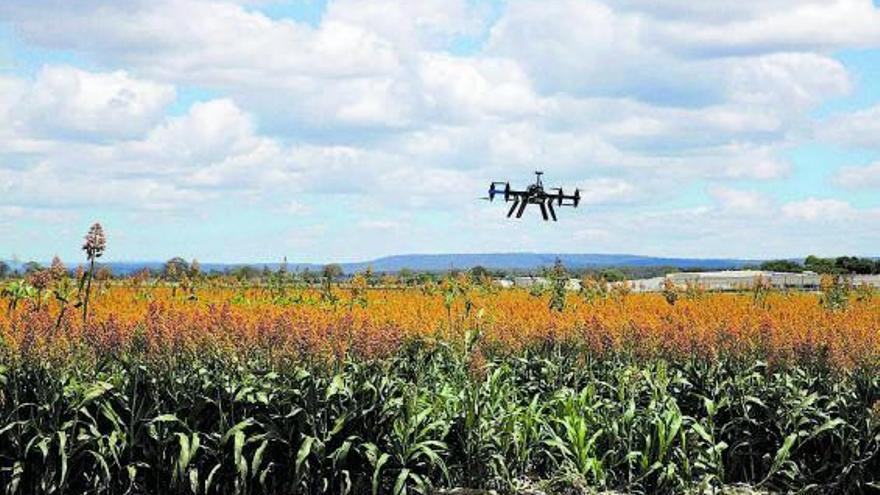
<point x="494" y="261"/>
<point x="526" y="261"/>
<point x="529" y="261"/>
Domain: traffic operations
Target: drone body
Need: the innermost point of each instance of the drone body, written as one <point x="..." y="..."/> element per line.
<point x="534" y="195"/>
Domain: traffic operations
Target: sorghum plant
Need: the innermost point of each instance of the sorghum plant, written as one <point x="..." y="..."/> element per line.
<point x="95" y="243"/>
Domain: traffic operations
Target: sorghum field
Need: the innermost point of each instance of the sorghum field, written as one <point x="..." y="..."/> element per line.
<point x="197" y="385"/>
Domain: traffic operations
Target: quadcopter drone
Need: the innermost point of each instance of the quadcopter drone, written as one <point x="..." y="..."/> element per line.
<point x="535" y="195"/>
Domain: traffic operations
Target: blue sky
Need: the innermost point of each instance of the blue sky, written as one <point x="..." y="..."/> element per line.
<point x="338" y="130"/>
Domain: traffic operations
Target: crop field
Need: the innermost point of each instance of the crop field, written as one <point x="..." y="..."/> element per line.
<point x="148" y="385"/>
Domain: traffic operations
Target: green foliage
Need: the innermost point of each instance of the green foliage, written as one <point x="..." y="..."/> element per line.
<point x="782" y="266"/>
<point x="433" y="416"/>
<point x="612" y="275"/>
<point x="670" y="291"/>
<point x="835" y="293"/>
<point x="558" y="280"/>
<point x="593" y="289"/>
<point x="842" y="265"/>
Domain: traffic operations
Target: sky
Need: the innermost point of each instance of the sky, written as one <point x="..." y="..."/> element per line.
<point x="247" y="131"/>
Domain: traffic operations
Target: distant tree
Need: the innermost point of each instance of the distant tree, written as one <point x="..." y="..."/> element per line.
<point x="103" y="273"/>
<point x="331" y="272"/>
<point x="612" y="275"/>
<point x="426" y="278"/>
<point x="406" y="276"/>
<point x="479" y="273"/>
<point x="370" y="276"/>
<point x="855" y="265"/>
<point x="175" y="268"/>
<point x="246" y="272"/>
<point x="820" y="265"/>
<point x="195" y="269"/>
<point x="782" y="266"/>
<point x="4" y="270"/>
<point x="32" y="267"/>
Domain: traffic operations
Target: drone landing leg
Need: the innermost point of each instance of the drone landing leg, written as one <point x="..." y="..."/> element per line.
<point x="513" y="208"/>
<point x="552" y="211"/>
<point x="544" y="211"/>
<point x="522" y="207"/>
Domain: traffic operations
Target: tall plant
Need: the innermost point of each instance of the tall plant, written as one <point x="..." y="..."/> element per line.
<point x="95" y="243"/>
<point x="559" y="278"/>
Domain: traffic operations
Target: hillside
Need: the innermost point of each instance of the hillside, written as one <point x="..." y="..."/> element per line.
<point x="443" y="262"/>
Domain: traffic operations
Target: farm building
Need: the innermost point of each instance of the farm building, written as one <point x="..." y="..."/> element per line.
<point x="745" y="279"/>
<point x="529" y="282"/>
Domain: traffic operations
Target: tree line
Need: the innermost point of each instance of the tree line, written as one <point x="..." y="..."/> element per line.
<point x="842" y="265"/>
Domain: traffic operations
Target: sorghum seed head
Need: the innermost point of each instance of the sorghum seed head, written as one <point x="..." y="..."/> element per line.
<point x="95" y="242"/>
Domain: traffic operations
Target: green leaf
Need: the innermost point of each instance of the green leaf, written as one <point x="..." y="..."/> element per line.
<point x="210" y="480"/>
<point x="62" y="454"/>
<point x="400" y="484"/>
<point x="377" y="471"/>
<point x="337" y="386"/>
<point x="258" y="458"/>
<point x="165" y="418"/>
<point x="236" y="429"/>
<point x="238" y="444"/>
<point x="304" y="450"/>
<point x="96" y="390"/>
<point x="828" y="425"/>
<point x="194" y="480"/>
<point x="698" y="428"/>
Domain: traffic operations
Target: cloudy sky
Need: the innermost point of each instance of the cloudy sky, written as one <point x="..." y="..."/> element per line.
<point x="349" y="129"/>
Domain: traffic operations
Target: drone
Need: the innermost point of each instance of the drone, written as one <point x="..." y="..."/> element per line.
<point x="534" y="195"/>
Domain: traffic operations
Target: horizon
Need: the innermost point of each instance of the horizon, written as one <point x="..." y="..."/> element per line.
<point x="344" y="130"/>
<point x="105" y="260"/>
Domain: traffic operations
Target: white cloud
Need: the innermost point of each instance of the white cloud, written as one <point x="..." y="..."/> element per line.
<point x="474" y="88"/>
<point x="635" y="102"/>
<point x="606" y="190"/>
<point x="742" y="202"/>
<point x="814" y="209"/>
<point x="786" y="80"/>
<point x="867" y="176"/>
<point x="764" y="27"/>
<point x="70" y="102"/>
<point x="410" y="25"/>
<point x="182" y="162"/>
<point x="860" y="128"/>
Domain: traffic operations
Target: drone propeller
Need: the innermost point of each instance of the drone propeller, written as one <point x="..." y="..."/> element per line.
<point x="493" y="191"/>
<point x="558" y="196"/>
<point x="577" y="197"/>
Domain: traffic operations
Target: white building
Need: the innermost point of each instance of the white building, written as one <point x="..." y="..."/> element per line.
<point x="745" y="279"/>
